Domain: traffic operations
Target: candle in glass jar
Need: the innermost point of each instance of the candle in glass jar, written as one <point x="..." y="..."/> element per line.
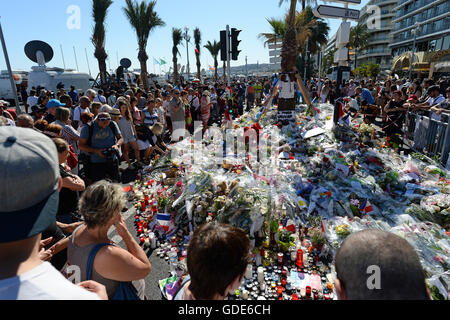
<point x="299" y="258"/>
<point x="260" y="274"/>
<point x="249" y="272"/>
<point x="280" y="257"/>
<point x="308" y="291"/>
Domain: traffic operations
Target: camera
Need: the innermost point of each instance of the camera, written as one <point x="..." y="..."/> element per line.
<point x="109" y="154"/>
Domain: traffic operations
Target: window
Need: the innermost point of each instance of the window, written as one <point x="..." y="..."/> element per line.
<point x="446" y="43"/>
<point x="438" y="44"/>
<point x="378" y="61"/>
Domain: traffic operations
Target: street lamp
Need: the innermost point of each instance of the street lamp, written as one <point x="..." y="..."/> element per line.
<point x="187" y="37"/>
<point x="413" y="51"/>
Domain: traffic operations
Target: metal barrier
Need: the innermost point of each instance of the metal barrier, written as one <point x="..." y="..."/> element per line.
<point x="428" y="136"/>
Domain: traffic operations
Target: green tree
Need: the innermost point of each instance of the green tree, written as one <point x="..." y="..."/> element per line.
<point x="143" y="19"/>
<point x="359" y="39"/>
<point x="198" y="41"/>
<point x="177" y="37"/>
<point x="214" y="49"/>
<point x="328" y="59"/>
<point x="99" y="13"/>
<point x="373" y="70"/>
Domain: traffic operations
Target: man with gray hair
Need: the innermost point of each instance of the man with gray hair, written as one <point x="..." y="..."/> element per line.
<point x="24" y="216"/>
<point x="378" y="265"/>
<point x="91" y="94"/>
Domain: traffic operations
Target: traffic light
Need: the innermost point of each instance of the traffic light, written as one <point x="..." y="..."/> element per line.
<point x="235" y="43"/>
<point x="223" y="45"/>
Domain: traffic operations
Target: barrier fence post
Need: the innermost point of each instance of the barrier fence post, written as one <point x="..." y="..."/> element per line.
<point x="444" y="146"/>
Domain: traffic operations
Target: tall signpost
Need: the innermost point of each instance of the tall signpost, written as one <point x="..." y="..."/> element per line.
<point x="342" y="71"/>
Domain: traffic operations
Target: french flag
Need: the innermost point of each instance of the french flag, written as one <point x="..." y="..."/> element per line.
<point x="366" y="207"/>
<point x="165" y="221"/>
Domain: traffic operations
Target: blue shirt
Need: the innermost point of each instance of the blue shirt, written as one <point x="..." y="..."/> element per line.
<point x="73" y="95"/>
<point x="150" y="118"/>
<point x="366" y="95"/>
<point x="101" y="139"/>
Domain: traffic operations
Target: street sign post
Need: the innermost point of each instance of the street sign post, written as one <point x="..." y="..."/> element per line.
<point x="323" y="11"/>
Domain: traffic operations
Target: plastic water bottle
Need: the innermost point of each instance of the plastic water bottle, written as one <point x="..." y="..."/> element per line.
<point x="173" y="260"/>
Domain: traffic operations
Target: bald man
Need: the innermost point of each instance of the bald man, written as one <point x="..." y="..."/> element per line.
<point x="378" y="265"/>
<point x="25" y="121"/>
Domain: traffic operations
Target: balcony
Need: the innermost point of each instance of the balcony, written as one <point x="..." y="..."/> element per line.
<point x="372" y="53"/>
<point x="428" y="30"/>
<point x="418" y="7"/>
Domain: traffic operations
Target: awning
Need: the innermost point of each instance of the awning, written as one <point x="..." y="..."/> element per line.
<point x="442" y="66"/>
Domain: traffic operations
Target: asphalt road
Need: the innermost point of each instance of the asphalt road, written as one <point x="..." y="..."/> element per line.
<point x="160" y="268"/>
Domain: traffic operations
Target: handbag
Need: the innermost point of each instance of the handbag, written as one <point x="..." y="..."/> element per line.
<point x="72" y="160"/>
<point x="125" y="291"/>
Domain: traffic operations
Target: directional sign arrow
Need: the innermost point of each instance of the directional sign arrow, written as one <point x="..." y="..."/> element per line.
<point x="336" y="12"/>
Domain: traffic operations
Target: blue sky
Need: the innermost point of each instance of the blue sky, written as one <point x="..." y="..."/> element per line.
<point x="25" y="20"/>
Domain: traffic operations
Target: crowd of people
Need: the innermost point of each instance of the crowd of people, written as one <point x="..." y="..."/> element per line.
<point x="387" y="103"/>
<point x="71" y="143"/>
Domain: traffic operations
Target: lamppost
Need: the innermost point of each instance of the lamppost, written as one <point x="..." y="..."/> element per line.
<point x="413" y="51"/>
<point x="187" y="37"/>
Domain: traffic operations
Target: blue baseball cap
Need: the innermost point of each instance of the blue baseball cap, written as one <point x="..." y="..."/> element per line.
<point x="55" y="103"/>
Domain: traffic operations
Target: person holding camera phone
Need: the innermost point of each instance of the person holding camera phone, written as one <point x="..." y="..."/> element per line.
<point x="102" y="139"/>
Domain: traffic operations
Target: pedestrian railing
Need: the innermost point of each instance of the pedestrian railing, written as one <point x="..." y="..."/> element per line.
<point x="428" y="136"/>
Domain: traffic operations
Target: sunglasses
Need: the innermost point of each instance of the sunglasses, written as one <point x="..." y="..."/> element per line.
<point x="104" y="119"/>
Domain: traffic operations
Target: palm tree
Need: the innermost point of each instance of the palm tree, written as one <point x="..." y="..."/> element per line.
<point x="197" y="40"/>
<point x="99" y="13"/>
<point x="290" y="48"/>
<point x="214" y="49"/>
<point x="278" y="31"/>
<point x="359" y="38"/>
<point x="143" y="19"/>
<point x="177" y="37"/>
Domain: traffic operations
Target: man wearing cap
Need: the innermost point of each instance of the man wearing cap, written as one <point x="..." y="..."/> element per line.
<point x="102" y="140"/>
<point x="23" y="218"/>
<point x="51" y="109"/>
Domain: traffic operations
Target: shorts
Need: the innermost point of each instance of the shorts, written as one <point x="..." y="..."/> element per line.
<point x="143" y="145"/>
<point x="127" y="140"/>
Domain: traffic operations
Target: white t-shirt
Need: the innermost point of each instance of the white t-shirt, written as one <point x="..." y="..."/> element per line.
<point x="42" y="283"/>
<point x="32" y="101"/>
<point x="77" y="113"/>
<point x="166" y="107"/>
